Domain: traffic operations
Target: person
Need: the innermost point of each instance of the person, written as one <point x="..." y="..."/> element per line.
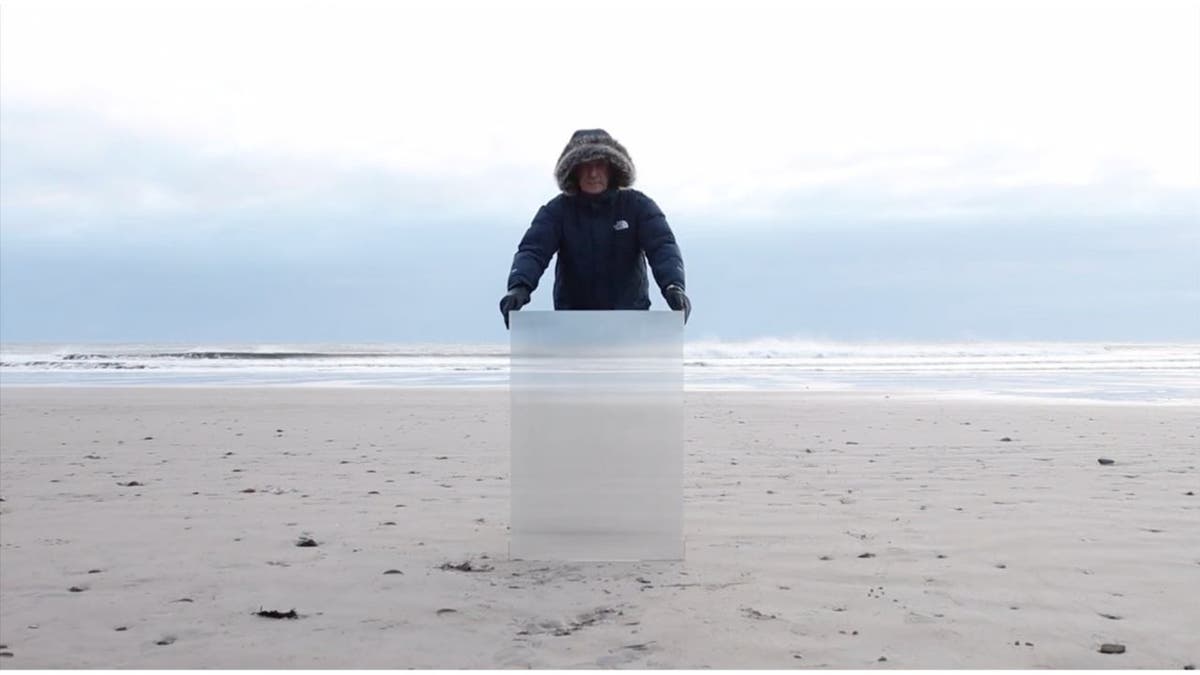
<point x="603" y="232"/>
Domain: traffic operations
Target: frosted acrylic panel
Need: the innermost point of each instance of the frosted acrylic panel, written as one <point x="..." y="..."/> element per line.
<point x="597" y="435"/>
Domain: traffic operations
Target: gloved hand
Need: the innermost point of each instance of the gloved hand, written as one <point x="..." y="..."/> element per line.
<point x="677" y="300"/>
<point x="516" y="298"/>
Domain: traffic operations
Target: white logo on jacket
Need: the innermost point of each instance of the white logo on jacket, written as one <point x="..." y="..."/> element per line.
<point x="621" y="225"/>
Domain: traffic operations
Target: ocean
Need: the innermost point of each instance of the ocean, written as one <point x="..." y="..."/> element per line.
<point x="1167" y="373"/>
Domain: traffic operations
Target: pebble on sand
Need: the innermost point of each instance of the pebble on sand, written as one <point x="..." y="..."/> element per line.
<point x="1106" y="461"/>
<point x="306" y="541"/>
<point x="1109" y="648"/>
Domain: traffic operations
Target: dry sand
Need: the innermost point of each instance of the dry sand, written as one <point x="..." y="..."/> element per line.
<point x="822" y="531"/>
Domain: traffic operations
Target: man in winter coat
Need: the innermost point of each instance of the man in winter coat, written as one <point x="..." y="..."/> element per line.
<point x="603" y="232"/>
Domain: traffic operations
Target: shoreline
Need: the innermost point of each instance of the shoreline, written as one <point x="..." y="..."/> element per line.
<point x="503" y="389"/>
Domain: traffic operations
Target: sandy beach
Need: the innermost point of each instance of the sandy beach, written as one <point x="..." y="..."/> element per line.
<point x="147" y="527"/>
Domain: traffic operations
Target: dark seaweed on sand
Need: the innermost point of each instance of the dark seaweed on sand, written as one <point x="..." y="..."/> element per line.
<point x="276" y="614"/>
<point x="465" y="566"/>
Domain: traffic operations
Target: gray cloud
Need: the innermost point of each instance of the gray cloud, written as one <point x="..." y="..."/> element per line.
<point x="111" y="234"/>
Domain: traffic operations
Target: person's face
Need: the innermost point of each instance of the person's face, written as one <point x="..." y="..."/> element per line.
<point x="593" y="176"/>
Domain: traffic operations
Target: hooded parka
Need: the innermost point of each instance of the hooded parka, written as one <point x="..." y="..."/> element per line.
<point x="602" y="241"/>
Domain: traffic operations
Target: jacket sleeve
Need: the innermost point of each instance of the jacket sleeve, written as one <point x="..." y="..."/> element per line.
<point x="657" y="240"/>
<point x="539" y="244"/>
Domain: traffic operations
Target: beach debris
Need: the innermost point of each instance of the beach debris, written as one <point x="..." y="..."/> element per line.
<point x="249" y="490"/>
<point x="373" y="492"/>
<point x="465" y="566"/>
<point x="92" y="457"/>
<point x="1189" y="493"/>
<point x="1001" y="566"/>
<point x="1111" y="617"/>
<point x="559" y="629"/>
<point x="306" y="542"/>
<point x="825" y="557"/>
<point x="590" y="619"/>
<point x="752" y="613"/>
<point x="132" y="483"/>
<point x="148" y="438"/>
<point x="165" y="640"/>
<point x="1189" y="667"/>
<point x="1006" y="439"/>
<point x="120" y="629"/>
<point x="393" y="571"/>
<point x="77" y="589"/>
<point x="388" y="522"/>
<point x="639" y="647"/>
<point x="446" y="610"/>
<point x="1106" y="461"/>
<point x="183" y="600"/>
<point x="866" y="555"/>
<point x="1111" y="648"/>
<point x="95" y="571"/>
<point x="5" y="654"/>
<point x="882" y="659"/>
<point x="276" y="614"/>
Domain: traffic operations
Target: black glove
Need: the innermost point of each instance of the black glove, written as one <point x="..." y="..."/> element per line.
<point x="677" y="300"/>
<point x="516" y="298"/>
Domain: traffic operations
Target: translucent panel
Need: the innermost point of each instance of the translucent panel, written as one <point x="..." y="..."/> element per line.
<point x="597" y="435"/>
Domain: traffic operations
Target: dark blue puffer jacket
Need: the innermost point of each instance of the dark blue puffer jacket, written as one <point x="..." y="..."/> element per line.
<point x="603" y="243"/>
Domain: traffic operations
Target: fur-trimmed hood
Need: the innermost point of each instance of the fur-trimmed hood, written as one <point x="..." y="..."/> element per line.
<point x="589" y="144"/>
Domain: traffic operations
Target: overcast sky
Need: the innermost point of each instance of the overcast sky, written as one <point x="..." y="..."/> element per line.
<point x="313" y="171"/>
